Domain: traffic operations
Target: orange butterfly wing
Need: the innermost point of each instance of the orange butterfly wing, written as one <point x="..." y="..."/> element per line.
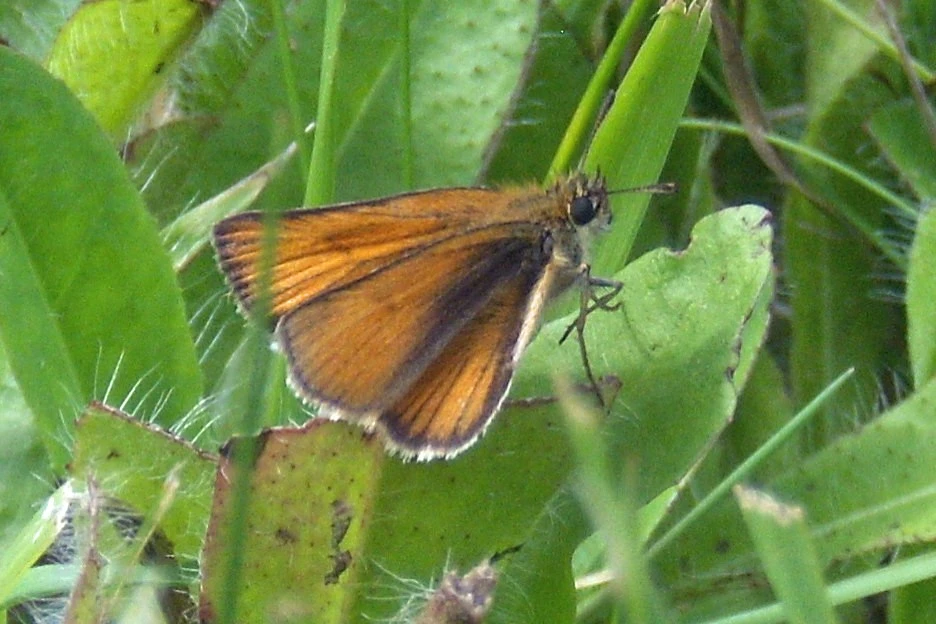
<point x="319" y="250"/>
<point x="368" y="295"/>
<point x="456" y="397"/>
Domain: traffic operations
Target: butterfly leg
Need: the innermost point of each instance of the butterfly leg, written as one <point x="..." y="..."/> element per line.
<point x="589" y="302"/>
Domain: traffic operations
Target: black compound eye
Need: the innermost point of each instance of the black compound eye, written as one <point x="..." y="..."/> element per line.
<point x="582" y="210"/>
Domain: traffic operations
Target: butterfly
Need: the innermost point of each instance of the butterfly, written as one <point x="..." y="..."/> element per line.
<point x="409" y="314"/>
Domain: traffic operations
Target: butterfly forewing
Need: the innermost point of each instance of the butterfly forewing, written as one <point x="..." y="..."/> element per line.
<point x="320" y="250"/>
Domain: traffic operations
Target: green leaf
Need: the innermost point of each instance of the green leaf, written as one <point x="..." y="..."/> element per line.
<point x="21" y="553"/>
<point x="837" y="52"/>
<point x="231" y="114"/>
<point x="881" y="495"/>
<point x="311" y="504"/>
<point x="89" y="306"/>
<point x="672" y="345"/>
<point x="913" y="602"/>
<point x="139" y="464"/>
<point x="454" y="136"/>
<point x="24" y="469"/>
<point x="189" y="233"/>
<point x="144" y="36"/>
<point x="456" y="513"/>
<point x="840" y="324"/>
<point x="890" y="498"/>
<point x="406" y="521"/>
<point x="901" y="133"/>
<point x="554" y="77"/>
<point x="536" y="583"/>
<point x="676" y="342"/>
<point x="30" y="26"/>
<point x="763" y="409"/>
<point x="464" y="66"/>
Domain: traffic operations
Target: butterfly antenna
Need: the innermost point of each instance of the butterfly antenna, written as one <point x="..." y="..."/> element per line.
<point x="660" y="188"/>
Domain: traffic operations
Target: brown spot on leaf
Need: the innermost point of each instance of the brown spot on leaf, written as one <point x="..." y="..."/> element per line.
<point x="342" y="561"/>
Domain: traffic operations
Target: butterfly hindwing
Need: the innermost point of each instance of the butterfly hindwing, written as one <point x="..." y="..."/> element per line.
<point x="457" y="395"/>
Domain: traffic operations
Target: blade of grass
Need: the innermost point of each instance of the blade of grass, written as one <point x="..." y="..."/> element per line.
<point x="872" y="233"/>
<point x="590" y="105"/>
<point x="613" y="512"/>
<point x="790" y="560"/>
<point x="633" y="141"/>
<point x="748" y="466"/>
<point x="848" y="590"/>
<point x="320" y="184"/>
<point x="289" y="82"/>
<point x="20" y="555"/>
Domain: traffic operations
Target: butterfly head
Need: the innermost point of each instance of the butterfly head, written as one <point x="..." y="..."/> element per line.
<point x="587" y="205"/>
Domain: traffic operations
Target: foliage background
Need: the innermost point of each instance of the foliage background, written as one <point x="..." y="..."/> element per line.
<point x="109" y="293"/>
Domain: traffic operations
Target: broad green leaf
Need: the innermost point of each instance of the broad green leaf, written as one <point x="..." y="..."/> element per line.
<point x="676" y="342"/>
<point x="672" y="346"/>
<point x="456" y="107"/>
<point x="407" y="521"/>
<point x="113" y="54"/>
<point x="454" y="136"/>
<point x="311" y="505"/>
<point x="890" y="497"/>
<point x="536" y="582"/>
<point x="89" y="306"/>
<point x="453" y="514"/>
<point x="554" y="77"/>
<point x="136" y="463"/>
